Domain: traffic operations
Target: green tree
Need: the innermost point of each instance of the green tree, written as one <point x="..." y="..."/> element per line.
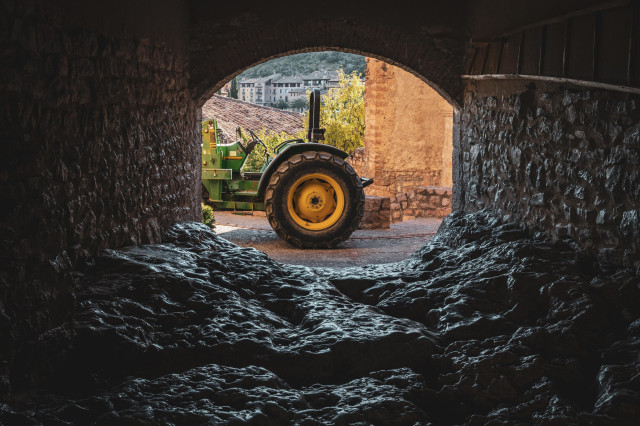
<point x="342" y="113"/>
<point x="208" y="217"/>
<point x="300" y="103"/>
<point x="233" y="90"/>
<point x="306" y="63"/>
<point x="281" y="104"/>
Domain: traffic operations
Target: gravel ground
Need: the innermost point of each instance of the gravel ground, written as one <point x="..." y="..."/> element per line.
<point x="365" y="247"/>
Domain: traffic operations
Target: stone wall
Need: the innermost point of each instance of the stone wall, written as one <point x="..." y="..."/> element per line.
<point x="421" y="202"/>
<point x="99" y="149"/>
<point x="564" y="160"/>
<point x="232" y="38"/>
<point x="376" y="213"/>
<point x="408" y="137"/>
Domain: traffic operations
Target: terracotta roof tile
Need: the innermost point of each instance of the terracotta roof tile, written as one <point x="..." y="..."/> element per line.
<point x="232" y="113"/>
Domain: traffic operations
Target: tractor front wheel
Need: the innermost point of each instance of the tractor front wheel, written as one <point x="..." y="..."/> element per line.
<point x="314" y="200"/>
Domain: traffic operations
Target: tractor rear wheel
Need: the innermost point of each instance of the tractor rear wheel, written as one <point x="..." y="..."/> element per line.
<point x="314" y="200"/>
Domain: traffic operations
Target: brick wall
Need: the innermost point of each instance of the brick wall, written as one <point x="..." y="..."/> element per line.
<point x="408" y="136"/>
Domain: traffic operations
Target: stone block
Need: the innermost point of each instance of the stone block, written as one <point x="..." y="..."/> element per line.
<point x="442" y="212"/>
<point x="630" y="224"/>
<point x="537" y="199"/>
<point x="375" y="214"/>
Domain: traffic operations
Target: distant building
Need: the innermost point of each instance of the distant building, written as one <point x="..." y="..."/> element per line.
<point x="257" y="90"/>
<point x="322" y="80"/>
<point x="268" y="90"/>
<point x="299" y="93"/>
<point x="284" y="85"/>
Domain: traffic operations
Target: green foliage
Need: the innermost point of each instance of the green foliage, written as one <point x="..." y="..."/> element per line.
<point x="281" y="104"/>
<point x="233" y="90"/>
<point x="207" y="215"/>
<point x="342" y="113"/>
<point x="271" y="139"/>
<point x="300" y="103"/>
<point x="306" y="63"/>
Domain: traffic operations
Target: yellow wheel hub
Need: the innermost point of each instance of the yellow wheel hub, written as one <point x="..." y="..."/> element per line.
<point x="315" y="201"/>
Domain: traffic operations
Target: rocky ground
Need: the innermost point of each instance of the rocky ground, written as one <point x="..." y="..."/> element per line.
<point x="484" y="324"/>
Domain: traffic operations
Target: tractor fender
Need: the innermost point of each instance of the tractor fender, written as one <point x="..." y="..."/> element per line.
<point x="289" y="152"/>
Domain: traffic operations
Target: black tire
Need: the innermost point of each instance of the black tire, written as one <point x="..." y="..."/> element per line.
<point x="292" y="171"/>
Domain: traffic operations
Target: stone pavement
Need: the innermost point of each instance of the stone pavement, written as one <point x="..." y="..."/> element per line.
<point x="366" y="246"/>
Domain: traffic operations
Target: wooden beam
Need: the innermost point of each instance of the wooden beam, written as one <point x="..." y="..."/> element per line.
<point x="633" y="44"/>
<point x="565" y="47"/>
<point x="583" y="83"/>
<point x="473" y="60"/>
<point x="484" y="60"/>
<point x="500" y="57"/>
<point x="520" y="55"/>
<point x="541" y="52"/>
<point x="557" y="19"/>
<point x="596" y="42"/>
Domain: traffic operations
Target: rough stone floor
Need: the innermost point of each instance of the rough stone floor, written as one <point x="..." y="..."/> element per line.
<point x="483" y="324"/>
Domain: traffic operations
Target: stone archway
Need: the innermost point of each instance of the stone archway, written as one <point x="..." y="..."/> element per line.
<point x="433" y="49"/>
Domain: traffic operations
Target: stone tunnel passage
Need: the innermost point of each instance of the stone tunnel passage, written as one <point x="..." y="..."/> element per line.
<point x="100" y="102"/>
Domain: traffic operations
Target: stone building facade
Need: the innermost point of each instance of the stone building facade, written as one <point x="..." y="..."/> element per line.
<point x="277" y="87"/>
<point x="408" y="138"/>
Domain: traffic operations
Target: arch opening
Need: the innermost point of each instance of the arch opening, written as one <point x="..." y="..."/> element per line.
<point x="408" y="145"/>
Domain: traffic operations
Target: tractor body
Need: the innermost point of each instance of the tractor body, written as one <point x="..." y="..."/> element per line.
<point x="316" y="208"/>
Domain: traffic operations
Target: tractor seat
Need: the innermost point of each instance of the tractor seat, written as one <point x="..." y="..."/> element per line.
<point x="251" y="175"/>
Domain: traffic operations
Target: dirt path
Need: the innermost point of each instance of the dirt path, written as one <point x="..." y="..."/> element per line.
<point x="371" y="246"/>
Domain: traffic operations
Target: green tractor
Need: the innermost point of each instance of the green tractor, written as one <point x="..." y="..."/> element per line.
<point x="311" y="196"/>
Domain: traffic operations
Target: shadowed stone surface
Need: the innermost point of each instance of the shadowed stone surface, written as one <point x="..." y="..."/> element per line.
<point x="484" y="323"/>
<point x="559" y="159"/>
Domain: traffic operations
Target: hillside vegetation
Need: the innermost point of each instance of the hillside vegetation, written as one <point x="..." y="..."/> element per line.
<point x="306" y="63"/>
